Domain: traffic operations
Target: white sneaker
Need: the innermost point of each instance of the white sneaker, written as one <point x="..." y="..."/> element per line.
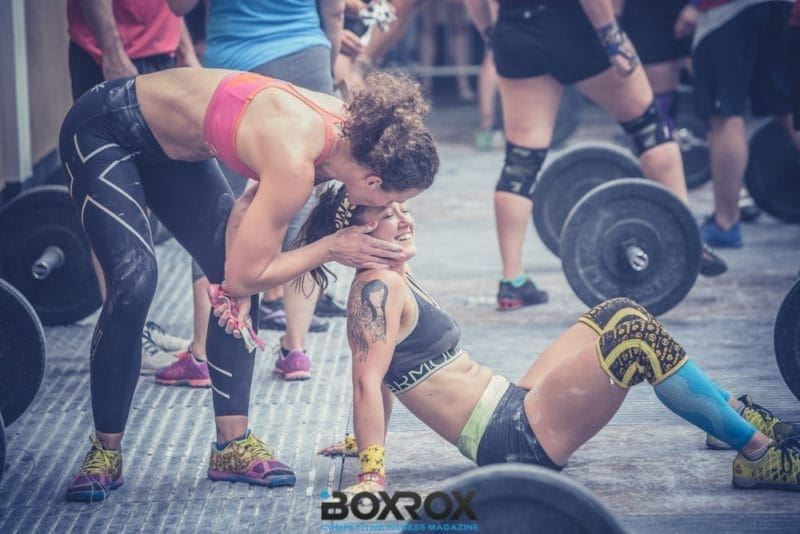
<point x="159" y="348"/>
<point x="162" y="339"/>
<point x="154" y="357"/>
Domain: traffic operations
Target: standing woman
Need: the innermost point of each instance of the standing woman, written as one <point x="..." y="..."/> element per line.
<point x="149" y="141"/>
<point x="539" y="47"/>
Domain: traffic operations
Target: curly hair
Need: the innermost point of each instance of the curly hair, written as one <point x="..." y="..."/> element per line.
<point x="321" y="222"/>
<point x="385" y="127"/>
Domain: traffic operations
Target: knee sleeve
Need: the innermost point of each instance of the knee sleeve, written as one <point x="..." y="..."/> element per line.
<point x="612" y="312"/>
<point x="667" y="104"/>
<point x="639" y="350"/>
<point x="648" y="131"/>
<point x="520" y="170"/>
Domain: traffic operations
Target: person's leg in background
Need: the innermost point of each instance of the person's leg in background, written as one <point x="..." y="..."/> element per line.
<point x="529" y="113"/>
<point x="310" y="68"/>
<point x="728" y="71"/>
<point x="459" y="45"/>
<point x="488" y="136"/>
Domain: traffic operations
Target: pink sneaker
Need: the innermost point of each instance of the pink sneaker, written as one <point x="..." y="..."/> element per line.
<point x="185" y="371"/>
<point x="293" y="366"/>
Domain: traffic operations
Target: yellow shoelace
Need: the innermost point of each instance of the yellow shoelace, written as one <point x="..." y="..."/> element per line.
<point x="255" y="448"/>
<point x="99" y="460"/>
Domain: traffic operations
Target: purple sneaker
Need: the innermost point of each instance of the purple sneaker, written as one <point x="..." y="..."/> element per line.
<point x="101" y="472"/>
<point x="185" y="371"/>
<point x="293" y="366"/>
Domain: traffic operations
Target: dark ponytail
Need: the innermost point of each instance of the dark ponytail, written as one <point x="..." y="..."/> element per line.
<point x="321" y="222"/>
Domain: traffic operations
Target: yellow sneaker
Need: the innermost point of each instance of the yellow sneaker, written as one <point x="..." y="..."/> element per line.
<point x="761" y="418"/>
<point x="100" y="473"/>
<point x="249" y="460"/>
<point x="779" y="468"/>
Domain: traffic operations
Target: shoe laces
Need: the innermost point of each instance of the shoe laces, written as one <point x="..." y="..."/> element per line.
<point x="152" y="326"/>
<point x="149" y="346"/>
<point x="790" y="456"/>
<point x="99" y="459"/>
<point x="255" y="448"/>
<point x="760" y="410"/>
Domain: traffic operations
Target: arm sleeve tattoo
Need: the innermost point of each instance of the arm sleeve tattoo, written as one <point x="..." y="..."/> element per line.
<point x="366" y="316"/>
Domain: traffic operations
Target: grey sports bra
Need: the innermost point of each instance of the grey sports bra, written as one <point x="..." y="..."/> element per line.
<point x="432" y="344"/>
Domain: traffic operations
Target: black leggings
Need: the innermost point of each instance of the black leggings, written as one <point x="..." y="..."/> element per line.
<point x="116" y="169"/>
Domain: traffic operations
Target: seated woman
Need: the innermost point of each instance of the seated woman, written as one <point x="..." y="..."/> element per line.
<point x="150" y="141"/>
<point x="401" y="340"/>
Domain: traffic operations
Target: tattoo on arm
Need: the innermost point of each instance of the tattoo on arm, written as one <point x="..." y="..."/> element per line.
<point x="366" y="316"/>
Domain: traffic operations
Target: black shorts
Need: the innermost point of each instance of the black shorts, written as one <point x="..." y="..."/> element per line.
<point x="509" y="437"/>
<point x="729" y="69"/>
<point x="547" y="37"/>
<point x="650" y="26"/>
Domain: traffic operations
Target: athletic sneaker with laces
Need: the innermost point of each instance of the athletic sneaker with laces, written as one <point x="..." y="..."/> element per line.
<point x="292" y="365"/>
<point x="779" y="468"/>
<point x="100" y="473"/>
<point x="713" y="234"/>
<point x="185" y="371"/>
<point x="248" y="460"/>
<point x="710" y="263"/>
<point x="272" y="316"/>
<point x="764" y="421"/>
<point x="160" y="337"/>
<point x="511" y="298"/>
<point x="328" y="307"/>
<point x="154" y="357"/>
<point x="158" y="348"/>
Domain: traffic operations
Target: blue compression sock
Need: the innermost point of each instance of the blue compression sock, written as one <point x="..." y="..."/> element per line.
<point x="693" y="396"/>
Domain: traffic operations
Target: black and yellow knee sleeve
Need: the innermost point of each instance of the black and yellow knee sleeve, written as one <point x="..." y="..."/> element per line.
<point x="648" y="130"/>
<point x="639" y="350"/>
<point x="520" y="170"/>
<point x="612" y="312"/>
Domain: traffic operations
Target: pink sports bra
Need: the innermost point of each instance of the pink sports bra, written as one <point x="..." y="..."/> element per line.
<point x="227" y="106"/>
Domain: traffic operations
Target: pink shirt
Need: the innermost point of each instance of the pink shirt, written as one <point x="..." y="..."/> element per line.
<point x="146" y="27"/>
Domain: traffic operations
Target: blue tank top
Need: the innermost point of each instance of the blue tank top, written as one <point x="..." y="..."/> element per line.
<point x="243" y="34"/>
<point x="432" y="344"/>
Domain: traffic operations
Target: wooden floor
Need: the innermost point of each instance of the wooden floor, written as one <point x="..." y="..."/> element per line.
<point x="648" y="467"/>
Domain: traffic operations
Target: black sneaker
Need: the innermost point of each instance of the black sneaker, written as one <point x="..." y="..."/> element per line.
<point x="710" y="263"/>
<point x="748" y="211"/>
<point x="272" y="316"/>
<point x="328" y="307"/>
<point x="511" y="298"/>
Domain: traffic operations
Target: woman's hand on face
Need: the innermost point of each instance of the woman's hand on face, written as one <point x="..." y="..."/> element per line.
<point x="355" y="248"/>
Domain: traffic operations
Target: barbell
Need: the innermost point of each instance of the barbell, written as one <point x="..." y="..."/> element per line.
<point x="22" y="358"/>
<point x="522" y="498"/>
<point x="773" y="172"/>
<point x="46" y="256"/>
<point x="786" y="339"/>
<point x="616" y="236"/>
